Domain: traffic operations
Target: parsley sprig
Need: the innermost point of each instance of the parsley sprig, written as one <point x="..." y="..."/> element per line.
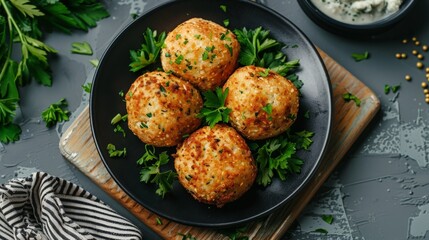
<point x="21" y="30"/>
<point x="278" y="156"/>
<point x="55" y="113"/>
<point x="149" y="52"/>
<point x="259" y="49"/>
<point x="151" y="171"/>
<point x="214" y="109"/>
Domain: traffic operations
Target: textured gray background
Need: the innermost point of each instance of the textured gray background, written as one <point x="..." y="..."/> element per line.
<point x="379" y="191"/>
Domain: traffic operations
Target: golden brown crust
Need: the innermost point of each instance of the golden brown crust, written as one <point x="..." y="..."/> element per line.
<point x="251" y="93"/>
<point x="162" y="108"/>
<point x="215" y="165"/>
<point x="202" y="52"/>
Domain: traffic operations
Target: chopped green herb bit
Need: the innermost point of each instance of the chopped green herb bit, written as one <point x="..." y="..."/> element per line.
<point x="349" y="96"/>
<point x="118" y="117"/>
<point x="158" y="221"/>
<point x="395" y="88"/>
<point x="187" y="236"/>
<point x="328" y="219"/>
<point x="119" y="129"/>
<point x="223" y="8"/>
<point x="113" y="152"/>
<point x="360" y="56"/>
<point x="264" y="73"/>
<point x="321" y="230"/>
<point x="307" y="114"/>
<point x="386" y="89"/>
<point x="179" y="59"/>
<point x="55" y="113"/>
<point x="81" y="48"/>
<point x="94" y="62"/>
<point x="268" y="108"/>
<point x="87" y="87"/>
<point x="226" y="22"/>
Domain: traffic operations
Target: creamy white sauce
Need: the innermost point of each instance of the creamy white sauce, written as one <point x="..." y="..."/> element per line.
<point x="358" y="11"/>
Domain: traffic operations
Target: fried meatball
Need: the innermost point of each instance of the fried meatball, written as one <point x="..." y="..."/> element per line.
<point x="162" y="108"/>
<point x="215" y="165"/>
<point x="264" y="104"/>
<point x="201" y="52"/>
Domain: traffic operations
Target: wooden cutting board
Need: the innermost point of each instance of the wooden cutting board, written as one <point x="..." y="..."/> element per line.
<point x="77" y="145"/>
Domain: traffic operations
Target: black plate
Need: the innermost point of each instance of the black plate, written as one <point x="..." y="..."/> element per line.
<point x="113" y="76"/>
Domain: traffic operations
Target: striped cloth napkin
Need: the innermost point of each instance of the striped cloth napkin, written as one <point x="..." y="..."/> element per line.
<point x="46" y="207"/>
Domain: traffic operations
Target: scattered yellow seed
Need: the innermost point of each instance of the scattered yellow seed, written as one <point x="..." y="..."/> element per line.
<point x="415" y="52"/>
<point x="427" y="70"/>
<point x="414" y="39"/>
<point x="425" y="48"/>
<point x="417" y="43"/>
<point x="426" y="91"/>
<point x="405" y="41"/>
<point x="427" y="100"/>
<point x="408" y="77"/>
<point x="398" y="56"/>
<point x="424" y="85"/>
<point x="403" y="55"/>
<point x="419" y="65"/>
<point x="419" y="56"/>
<point x="427" y="95"/>
<point x="427" y="75"/>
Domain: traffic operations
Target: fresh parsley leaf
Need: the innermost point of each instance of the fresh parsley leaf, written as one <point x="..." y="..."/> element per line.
<point x="9" y="132"/>
<point x="394" y="89"/>
<point x="278" y="156"/>
<point x="87" y="87"/>
<point x="119" y="129"/>
<point x="149" y="52"/>
<point x="81" y="48"/>
<point x="151" y="170"/>
<point x="259" y="49"/>
<point x="158" y="221"/>
<point x="55" y="113"/>
<point x="214" y="109"/>
<point x="329" y="219"/>
<point x="350" y="97"/>
<point x="360" y="56"/>
<point x="113" y="152"/>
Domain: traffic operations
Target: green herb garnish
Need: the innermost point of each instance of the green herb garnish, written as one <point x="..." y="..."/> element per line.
<point x="23" y="56"/>
<point x="81" y="48"/>
<point x="259" y="49"/>
<point x="214" y="109"/>
<point x="55" y="113"/>
<point x="329" y="219"/>
<point x="113" y="152"/>
<point x="321" y="230"/>
<point x="277" y="156"/>
<point x="151" y="171"/>
<point x="349" y="96"/>
<point x="87" y="87"/>
<point x="360" y="56"/>
<point x="149" y="52"/>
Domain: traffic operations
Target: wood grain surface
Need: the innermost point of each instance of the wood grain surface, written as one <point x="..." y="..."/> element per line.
<point x="77" y="145"/>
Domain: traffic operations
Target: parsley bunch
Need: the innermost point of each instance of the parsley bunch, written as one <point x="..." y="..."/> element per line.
<point x="259" y="49"/>
<point x="56" y="112"/>
<point x="151" y="170"/>
<point x="277" y="156"/>
<point x="22" y="23"/>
